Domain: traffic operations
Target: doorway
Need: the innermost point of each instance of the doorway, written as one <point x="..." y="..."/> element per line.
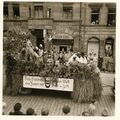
<point x="93" y="47"/>
<point x="39" y="37"/>
<point x="63" y="48"/>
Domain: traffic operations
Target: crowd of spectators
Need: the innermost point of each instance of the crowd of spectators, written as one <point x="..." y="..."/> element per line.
<point x="91" y="111"/>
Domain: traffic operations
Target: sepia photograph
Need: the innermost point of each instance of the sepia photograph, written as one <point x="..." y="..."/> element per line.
<point x="59" y="58"/>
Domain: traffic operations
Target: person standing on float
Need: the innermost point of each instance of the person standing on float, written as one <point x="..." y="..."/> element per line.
<point x="74" y="61"/>
<point x="72" y="58"/>
<point x="83" y="58"/>
<point x="40" y="50"/>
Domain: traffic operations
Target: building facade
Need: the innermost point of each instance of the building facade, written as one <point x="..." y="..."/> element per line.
<point x="83" y="27"/>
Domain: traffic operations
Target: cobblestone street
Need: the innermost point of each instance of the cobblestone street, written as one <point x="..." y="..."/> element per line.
<point x="55" y="100"/>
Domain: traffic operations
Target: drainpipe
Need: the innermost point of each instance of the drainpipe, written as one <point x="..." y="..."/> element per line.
<point x="84" y="27"/>
<point x="80" y="28"/>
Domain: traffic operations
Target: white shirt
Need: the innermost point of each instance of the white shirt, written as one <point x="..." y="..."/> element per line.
<point x="80" y="60"/>
<point x="40" y="52"/>
<point x="71" y="58"/>
<point x="83" y="60"/>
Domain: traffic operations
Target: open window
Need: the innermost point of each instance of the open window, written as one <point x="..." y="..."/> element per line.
<point x="95" y="16"/>
<point x="29" y="12"/>
<point x="5" y="9"/>
<point x="16" y="10"/>
<point x="67" y="11"/>
<point x="48" y="12"/>
<point x="111" y="17"/>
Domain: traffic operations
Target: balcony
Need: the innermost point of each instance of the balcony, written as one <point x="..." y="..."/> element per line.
<point x="40" y="23"/>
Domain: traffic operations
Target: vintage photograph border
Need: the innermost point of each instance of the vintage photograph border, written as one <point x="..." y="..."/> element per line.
<point x="117" y="69"/>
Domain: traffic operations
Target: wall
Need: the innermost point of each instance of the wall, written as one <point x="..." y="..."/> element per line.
<point x="57" y="11"/>
<point x="24" y="11"/>
<point x="102" y="33"/>
<point x="71" y="27"/>
<point x="11" y="23"/>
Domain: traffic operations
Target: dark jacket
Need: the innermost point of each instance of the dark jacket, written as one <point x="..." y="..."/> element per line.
<point x="16" y="113"/>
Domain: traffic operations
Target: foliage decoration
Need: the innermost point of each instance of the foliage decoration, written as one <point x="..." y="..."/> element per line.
<point x="87" y="83"/>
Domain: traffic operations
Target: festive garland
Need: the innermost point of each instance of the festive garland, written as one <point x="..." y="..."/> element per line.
<point x="87" y="82"/>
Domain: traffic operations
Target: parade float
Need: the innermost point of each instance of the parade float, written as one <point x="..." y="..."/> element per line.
<point x="30" y="71"/>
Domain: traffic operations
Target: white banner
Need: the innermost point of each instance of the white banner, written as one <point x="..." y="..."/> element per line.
<point x="62" y="84"/>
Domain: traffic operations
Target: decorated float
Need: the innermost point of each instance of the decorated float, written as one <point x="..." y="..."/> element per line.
<point x="28" y="70"/>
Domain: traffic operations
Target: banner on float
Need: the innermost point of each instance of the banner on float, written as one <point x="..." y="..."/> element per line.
<point x="36" y="82"/>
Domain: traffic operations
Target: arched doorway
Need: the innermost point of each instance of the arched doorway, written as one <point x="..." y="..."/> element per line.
<point x="93" y="47"/>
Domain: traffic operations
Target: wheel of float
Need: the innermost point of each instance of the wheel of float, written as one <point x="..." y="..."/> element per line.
<point x="25" y="91"/>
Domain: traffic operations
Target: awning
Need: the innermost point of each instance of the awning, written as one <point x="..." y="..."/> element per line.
<point x="62" y="42"/>
<point x="62" y="36"/>
<point x="62" y="39"/>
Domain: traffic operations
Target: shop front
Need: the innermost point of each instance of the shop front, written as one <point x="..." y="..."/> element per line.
<point x="62" y="42"/>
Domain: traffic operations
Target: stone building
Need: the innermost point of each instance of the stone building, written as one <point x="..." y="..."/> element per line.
<point x="84" y="27"/>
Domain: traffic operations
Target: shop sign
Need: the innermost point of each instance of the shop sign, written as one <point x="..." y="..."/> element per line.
<point x="62" y="36"/>
<point x="36" y="82"/>
<point x="40" y="24"/>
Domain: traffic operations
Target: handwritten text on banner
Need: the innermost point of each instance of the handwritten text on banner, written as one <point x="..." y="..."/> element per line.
<point x="36" y="82"/>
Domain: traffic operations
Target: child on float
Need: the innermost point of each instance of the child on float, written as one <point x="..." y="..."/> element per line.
<point x="83" y="58"/>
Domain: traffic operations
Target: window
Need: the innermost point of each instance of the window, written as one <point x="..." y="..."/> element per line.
<point x="67" y="11"/>
<point x="16" y="10"/>
<point x="38" y="11"/>
<point x="29" y="12"/>
<point x="5" y="9"/>
<point x="111" y="17"/>
<point x="49" y="13"/>
<point x="95" y="16"/>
